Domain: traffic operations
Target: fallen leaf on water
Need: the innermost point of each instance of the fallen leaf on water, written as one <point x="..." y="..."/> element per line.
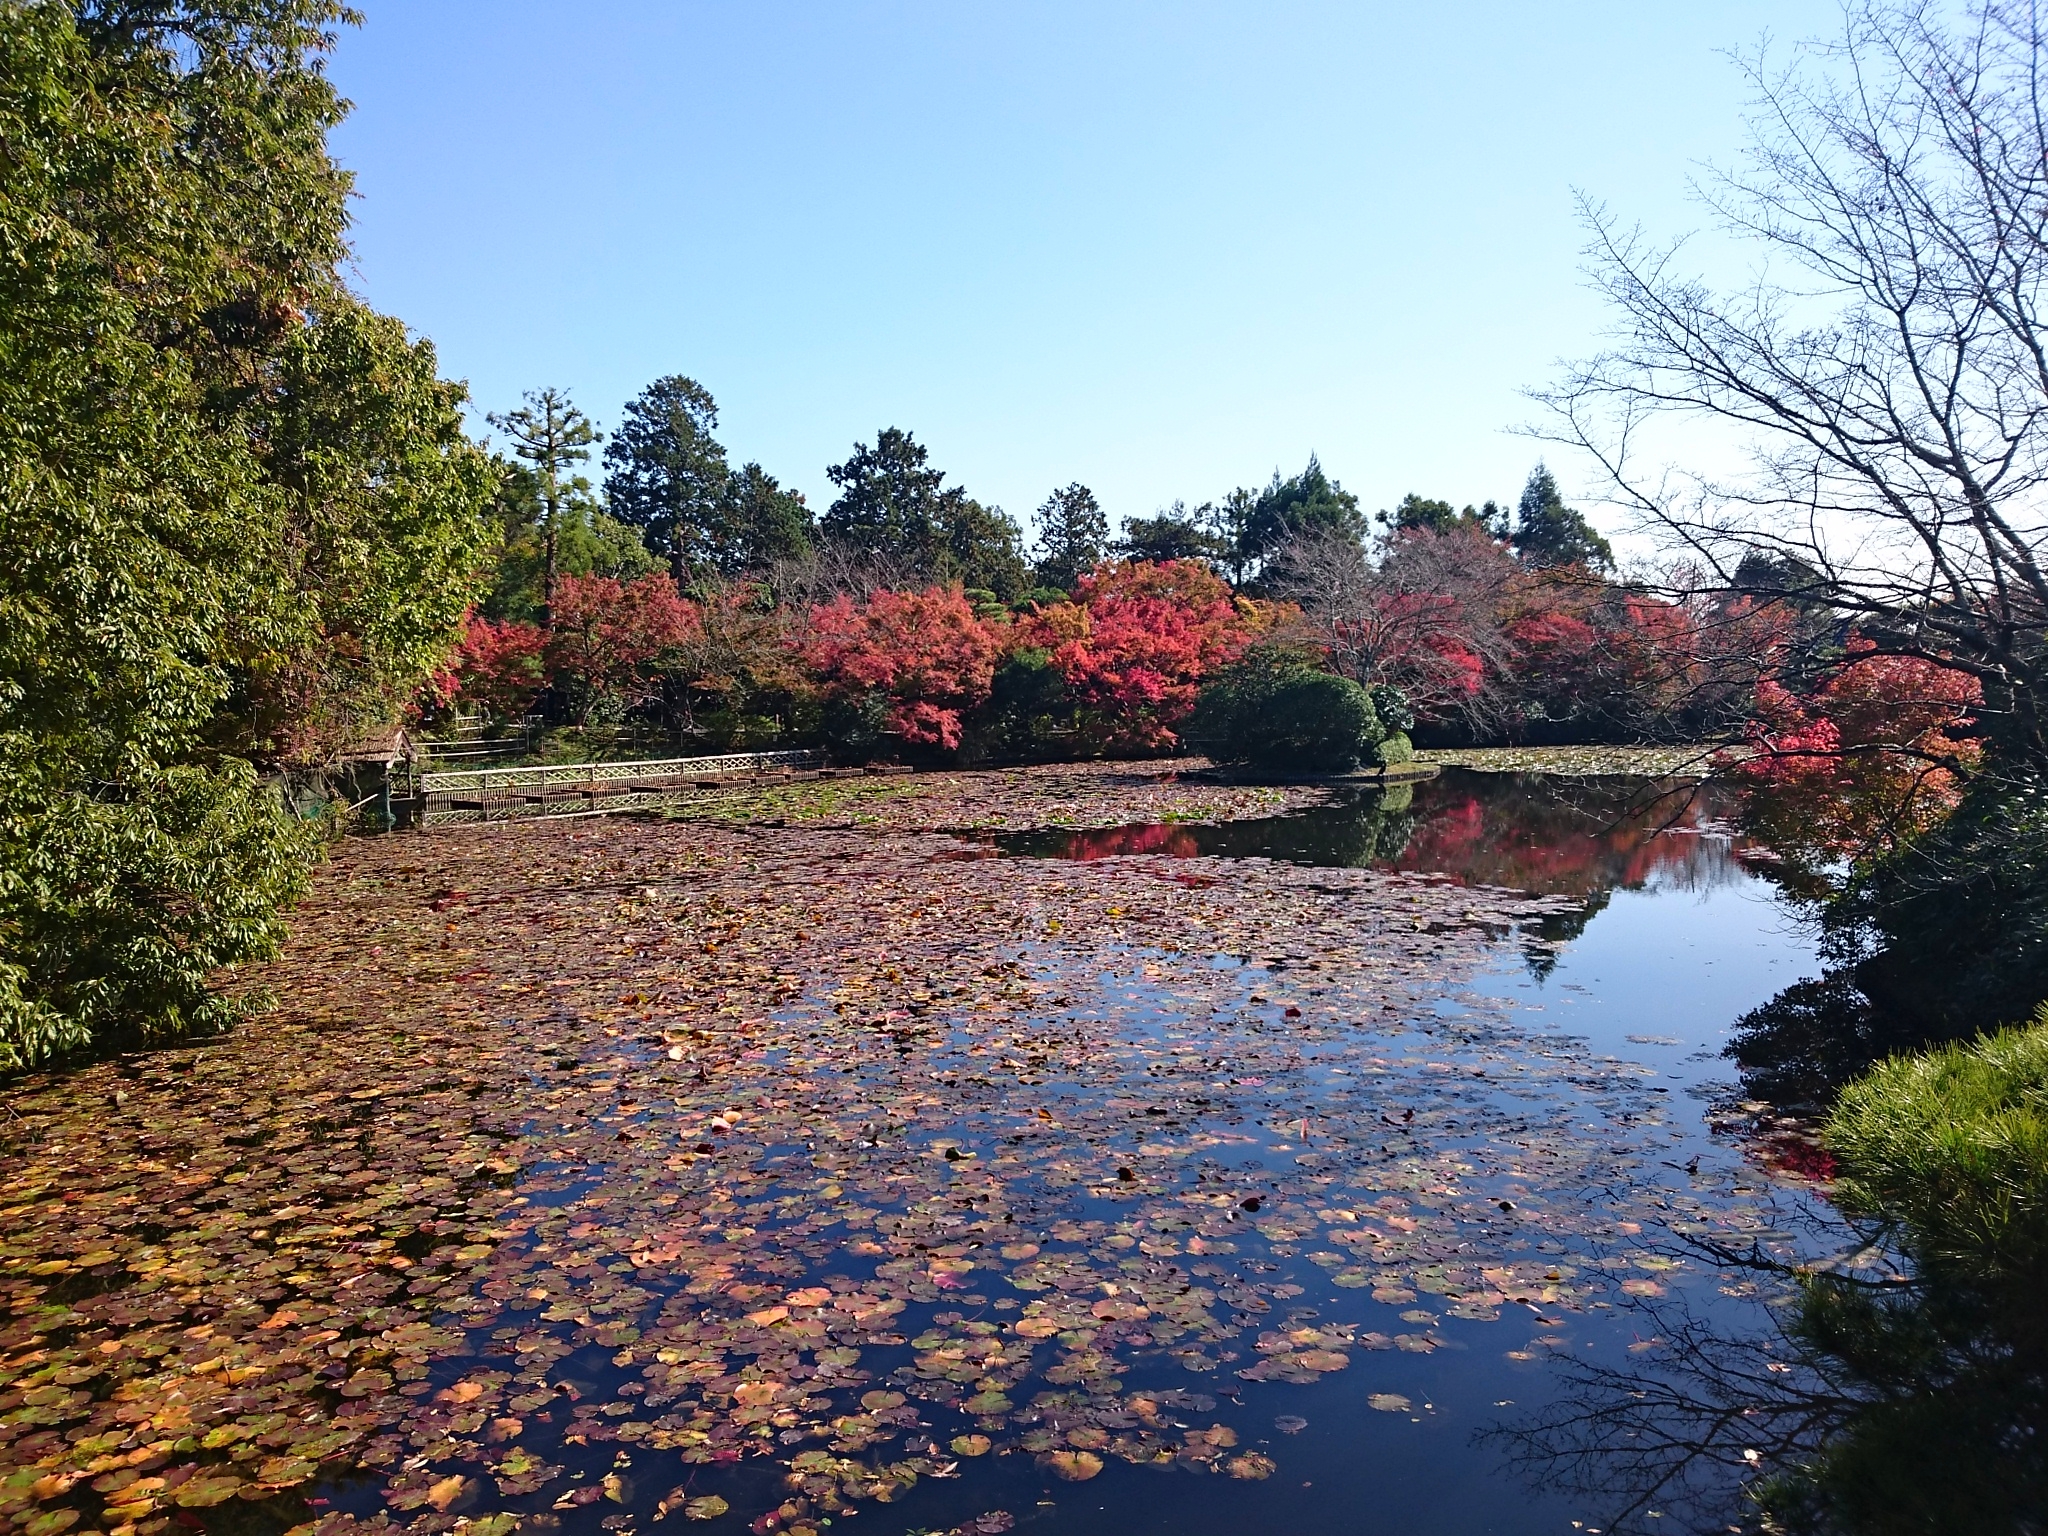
<point x="1072" y="1466"/>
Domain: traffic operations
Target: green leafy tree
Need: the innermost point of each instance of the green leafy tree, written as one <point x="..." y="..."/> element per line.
<point x="1548" y="533"/>
<point x="553" y="436"/>
<point x="1301" y="503"/>
<point x="238" y="517"/>
<point x="1175" y="533"/>
<point x="667" y="475"/>
<point x="766" y="521"/>
<point x="1073" y="536"/>
<point x="589" y="542"/>
<point x="891" y="502"/>
<point x="1441" y="517"/>
<point x="895" y="509"/>
<point x="983" y="550"/>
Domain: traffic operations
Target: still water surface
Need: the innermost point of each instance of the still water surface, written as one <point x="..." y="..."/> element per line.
<point x="1553" y="1119"/>
<point x="1673" y="934"/>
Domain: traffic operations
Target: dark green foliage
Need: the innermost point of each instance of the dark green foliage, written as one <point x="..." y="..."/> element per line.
<point x="1308" y="501"/>
<point x="895" y="509"/>
<point x="1942" y="1383"/>
<point x="982" y="549"/>
<point x="1951" y="931"/>
<point x="665" y="471"/>
<point x="238" y="517"/>
<point x="1073" y="535"/>
<point x="1441" y="517"/>
<point x="1945" y="934"/>
<point x="666" y="474"/>
<point x="764" y="522"/>
<point x="1272" y="709"/>
<point x="1549" y="533"/>
<point x="1172" y="535"/>
<point x="1029" y="716"/>
<point x="853" y="727"/>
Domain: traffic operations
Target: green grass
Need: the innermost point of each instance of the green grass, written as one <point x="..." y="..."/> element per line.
<point x="1657" y="762"/>
<point x="851" y="800"/>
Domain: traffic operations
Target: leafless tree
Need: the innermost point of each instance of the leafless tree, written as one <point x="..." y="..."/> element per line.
<point x="1885" y="372"/>
<point x="831" y="569"/>
<point x="1423" y="617"/>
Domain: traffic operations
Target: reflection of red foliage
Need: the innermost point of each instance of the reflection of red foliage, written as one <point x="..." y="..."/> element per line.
<point x="1560" y="842"/>
<point x="1795" y="1157"/>
<point x="925" y="650"/>
<point x="1138" y="639"/>
<point x="1119" y="842"/>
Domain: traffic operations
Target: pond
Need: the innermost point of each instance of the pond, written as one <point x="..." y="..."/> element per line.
<point x="1328" y="1170"/>
<point x="1673" y="932"/>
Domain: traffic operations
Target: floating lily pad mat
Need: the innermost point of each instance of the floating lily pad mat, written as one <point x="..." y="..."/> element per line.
<point x="611" y="1174"/>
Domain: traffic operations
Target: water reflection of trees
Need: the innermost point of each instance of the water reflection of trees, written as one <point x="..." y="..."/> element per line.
<point x="1534" y="832"/>
<point x="1882" y="1405"/>
<point x="1558" y="835"/>
<point x="1936" y="937"/>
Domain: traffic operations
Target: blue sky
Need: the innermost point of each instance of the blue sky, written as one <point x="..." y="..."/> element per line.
<point x="1161" y="249"/>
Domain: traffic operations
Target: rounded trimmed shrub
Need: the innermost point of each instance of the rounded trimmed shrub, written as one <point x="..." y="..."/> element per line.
<point x="1274" y="710"/>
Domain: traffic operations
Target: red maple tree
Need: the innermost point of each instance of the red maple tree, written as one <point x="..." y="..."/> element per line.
<point x="925" y="651"/>
<point x="608" y="636"/>
<point x="1137" y="640"/>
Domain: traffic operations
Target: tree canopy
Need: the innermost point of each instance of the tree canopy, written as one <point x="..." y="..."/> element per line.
<point x="1309" y="500"/>
<point x="894" y="508"/>
<point x="1415" y="511"/>
<point x="239" y="520"/>
<point x="551" y="436"/>
<point x="1173" y="534"/>
<point x="666" y="474"/>
<point x="1549" y="533"/>
<point x="1073" y="536"/>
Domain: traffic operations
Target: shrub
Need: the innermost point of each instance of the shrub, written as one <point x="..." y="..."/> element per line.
<point x="1935" y="1387"/>
<point x="1029" y="717"/>
<point x="1951" y="1147"/>
<point x="115" y="916"/>
<point x="1273" y="710"/>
